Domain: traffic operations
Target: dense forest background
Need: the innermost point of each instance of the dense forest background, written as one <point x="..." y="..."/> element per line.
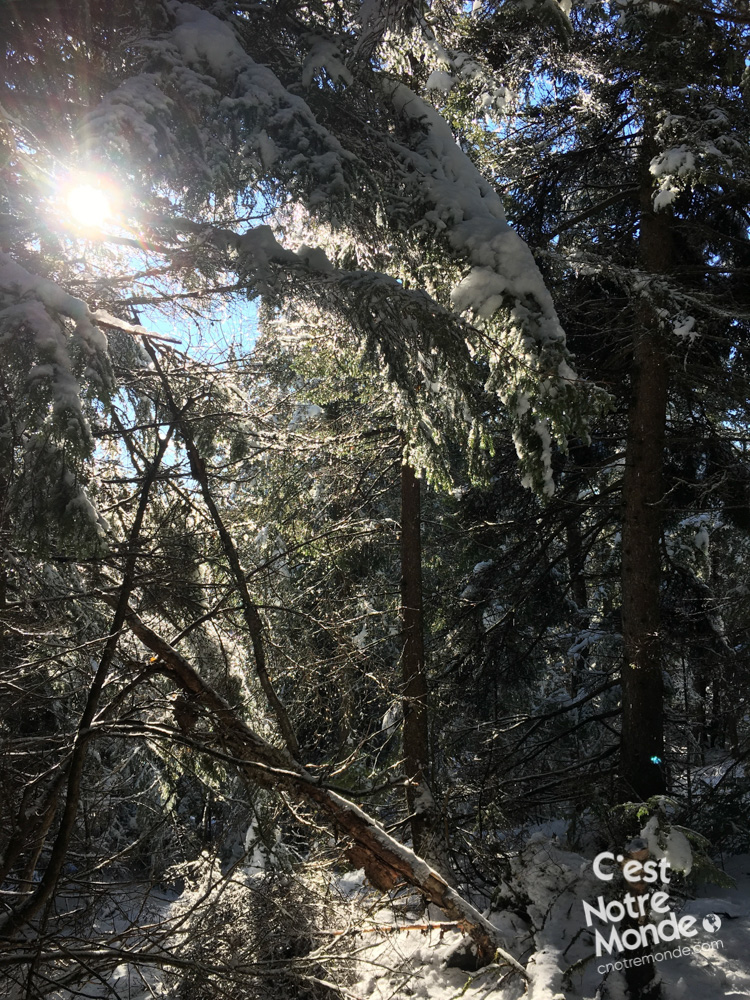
<point x="374" y="484"/>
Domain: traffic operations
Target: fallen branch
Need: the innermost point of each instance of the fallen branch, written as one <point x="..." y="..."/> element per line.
<point x="387" y="863"/>
<point x="110" y="322"/>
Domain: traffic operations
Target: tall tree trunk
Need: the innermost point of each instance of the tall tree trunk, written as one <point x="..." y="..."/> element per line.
<point x="642" y="747"/>
<point x="642" y="737"/>
<point x="416" y="733"/>
<point x="427" y="831"/>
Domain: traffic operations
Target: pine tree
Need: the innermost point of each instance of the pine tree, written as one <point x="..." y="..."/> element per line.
<point x="298" y="156"/>
<point x="624" y="154"/>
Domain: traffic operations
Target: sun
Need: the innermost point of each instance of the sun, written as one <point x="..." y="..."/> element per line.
<point x="88" y="206"/>
<point x="89" y="203"/>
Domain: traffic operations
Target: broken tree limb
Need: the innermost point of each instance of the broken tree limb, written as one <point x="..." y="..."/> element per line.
<point x="273" y="768"/>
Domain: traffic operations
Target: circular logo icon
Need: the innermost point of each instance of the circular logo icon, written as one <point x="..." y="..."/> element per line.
<point x="711" y="923"/>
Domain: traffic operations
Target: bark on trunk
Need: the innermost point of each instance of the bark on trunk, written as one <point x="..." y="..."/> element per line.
<point x="416" y="729"/>
<point x="642" y="687"/>
<point x="428" y="834"/>
<point x="642" y="747"/>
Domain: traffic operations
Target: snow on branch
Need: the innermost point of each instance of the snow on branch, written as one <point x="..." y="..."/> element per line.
<point x="53" y="340"/>
<point x="199" y="71"/>
<point x="32" y="331"/>
<point x="342" y="165"/>
<point x="503" y="291"/>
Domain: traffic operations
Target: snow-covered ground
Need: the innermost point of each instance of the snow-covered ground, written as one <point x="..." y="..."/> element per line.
<point x="377" y="947"/>
<point x="412" y="962"/>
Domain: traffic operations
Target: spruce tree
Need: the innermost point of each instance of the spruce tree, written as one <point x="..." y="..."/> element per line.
<point x="624" y="156"/>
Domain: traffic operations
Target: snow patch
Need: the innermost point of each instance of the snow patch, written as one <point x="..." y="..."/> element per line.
<point x="670" y="167"/>
<point x="684" y="328"/>
<point x="701" y="539"/>
<point x="304" y="412"/>
<point x="440" y="80"/>
<point x="324" y="55"/>
<point x="677" y="849"/>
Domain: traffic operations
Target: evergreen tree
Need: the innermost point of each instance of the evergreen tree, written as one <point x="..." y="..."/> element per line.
<point x="205" y="123"/>
<point x="624" y="155"/>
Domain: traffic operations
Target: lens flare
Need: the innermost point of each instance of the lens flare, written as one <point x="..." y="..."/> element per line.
<point x="88" y="206"/>
<point x="89" y="201"/>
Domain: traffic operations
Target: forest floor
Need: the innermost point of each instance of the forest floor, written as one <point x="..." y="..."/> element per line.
<point x="386" y="948"/>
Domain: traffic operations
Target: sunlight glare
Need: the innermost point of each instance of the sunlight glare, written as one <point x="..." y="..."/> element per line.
<point x="88" y="204"/>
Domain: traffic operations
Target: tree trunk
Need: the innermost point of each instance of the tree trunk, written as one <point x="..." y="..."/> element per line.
<point x="416" y="726"/>
<point x="642" y="739"/>
<point x="642" y="747"/>
<point x="427" y="832"/>
<point x="642" y="687"/>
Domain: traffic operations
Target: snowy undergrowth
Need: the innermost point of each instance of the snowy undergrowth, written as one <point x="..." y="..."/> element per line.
<point x="320" y="933"/>
<point x="539" y="908"/>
